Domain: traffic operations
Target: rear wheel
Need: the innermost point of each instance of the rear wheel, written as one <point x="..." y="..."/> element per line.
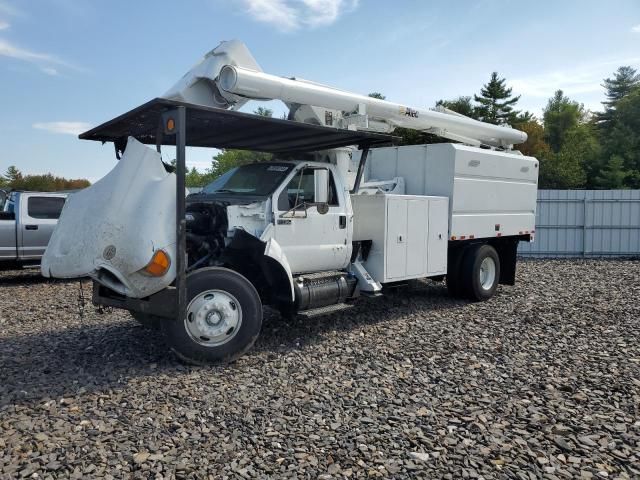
<point x="222" y="321"/>
<point x="480" y="272"/>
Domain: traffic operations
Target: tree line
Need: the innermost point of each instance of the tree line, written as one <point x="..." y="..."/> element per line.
<point x="577" y="148"/>
<point x="13" y="179"/>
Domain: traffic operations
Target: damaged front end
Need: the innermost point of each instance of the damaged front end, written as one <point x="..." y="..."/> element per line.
<point x="121" y="230"/>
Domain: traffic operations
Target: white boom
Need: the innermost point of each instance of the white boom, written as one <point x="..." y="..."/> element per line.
<point x="229" y="75"/>
<point x="260" y="85"/>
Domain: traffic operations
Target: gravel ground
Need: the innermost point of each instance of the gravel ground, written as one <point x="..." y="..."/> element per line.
<point x="541" y="381"/>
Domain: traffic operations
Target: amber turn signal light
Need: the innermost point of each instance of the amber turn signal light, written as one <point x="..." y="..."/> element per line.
<point x="159" y="264"/>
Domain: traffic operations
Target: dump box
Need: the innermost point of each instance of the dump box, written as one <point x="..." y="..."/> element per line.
<point x="490" y="193"/>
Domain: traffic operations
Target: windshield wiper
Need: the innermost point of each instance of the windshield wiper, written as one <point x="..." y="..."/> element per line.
<point x="224" y="190"/>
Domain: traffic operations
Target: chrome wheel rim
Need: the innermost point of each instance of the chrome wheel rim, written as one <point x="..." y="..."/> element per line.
<point x="213" y="318"/>
<point x="487" y="273"/>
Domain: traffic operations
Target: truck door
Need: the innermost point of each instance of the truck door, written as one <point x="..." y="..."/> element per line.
<point x="38" y="217"/>
<point x="8" y="233"/>
<point x="312" y="241"/>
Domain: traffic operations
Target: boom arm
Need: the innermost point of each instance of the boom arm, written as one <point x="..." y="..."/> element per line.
<point x="235" y="77"/>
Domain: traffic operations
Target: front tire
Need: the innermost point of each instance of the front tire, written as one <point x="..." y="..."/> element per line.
<point x="223" y="318"/>
<point x="480" y="272"/>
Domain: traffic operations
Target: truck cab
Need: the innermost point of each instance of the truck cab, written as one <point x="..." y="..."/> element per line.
<point x="27" y="222"/>
<point x="306" y="204"/>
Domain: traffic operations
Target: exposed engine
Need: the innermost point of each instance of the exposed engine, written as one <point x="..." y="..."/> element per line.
<point x="206" y="229"/>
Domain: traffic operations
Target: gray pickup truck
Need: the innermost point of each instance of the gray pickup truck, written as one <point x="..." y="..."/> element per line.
<point x="27" y="220"/>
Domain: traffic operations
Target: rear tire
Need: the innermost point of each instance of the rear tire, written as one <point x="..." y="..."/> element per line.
<point x="480" y="272"/>
<point x="223" y="318"/>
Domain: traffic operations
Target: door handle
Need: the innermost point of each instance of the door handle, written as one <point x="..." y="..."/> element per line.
<point x="31" y="227"/>
<point x="343" y="222"/>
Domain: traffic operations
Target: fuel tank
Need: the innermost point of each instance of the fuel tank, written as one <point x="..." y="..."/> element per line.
<point x="111" y="230"/>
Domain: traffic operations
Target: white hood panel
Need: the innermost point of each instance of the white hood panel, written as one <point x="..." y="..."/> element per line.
<point x="110" y="230"/>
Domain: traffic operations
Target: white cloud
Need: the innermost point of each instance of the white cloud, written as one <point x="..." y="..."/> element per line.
<point x="290" y="15"/>
<point x="4" y="25"/>
<point x="636" y="29"/>
<point x="576" y="80"/>
<point x="42" y="60"/>
<point x="67" y="128"/>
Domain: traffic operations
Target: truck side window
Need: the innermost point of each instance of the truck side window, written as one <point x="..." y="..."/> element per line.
<point x="48" y="208"/>
<point x="302" y="188"/>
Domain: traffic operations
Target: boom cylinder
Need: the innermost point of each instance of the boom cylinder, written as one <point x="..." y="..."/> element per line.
<point x="259" y="85"/>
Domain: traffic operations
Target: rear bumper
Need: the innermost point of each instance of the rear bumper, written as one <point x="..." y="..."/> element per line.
<point x="161" y="304"/>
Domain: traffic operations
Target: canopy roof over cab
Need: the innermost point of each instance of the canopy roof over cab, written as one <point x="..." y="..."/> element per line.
<point x="219" y="128"/>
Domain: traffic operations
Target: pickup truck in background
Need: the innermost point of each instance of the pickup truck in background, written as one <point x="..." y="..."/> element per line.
<point x="27" y="220"/>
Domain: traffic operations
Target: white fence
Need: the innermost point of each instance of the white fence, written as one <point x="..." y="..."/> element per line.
<point x="586" y="223"/>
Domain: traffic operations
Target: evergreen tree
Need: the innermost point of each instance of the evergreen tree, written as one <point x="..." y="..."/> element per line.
<point x="613" y="174"/>
<point x="12" y="175"/>
<point x="496" y="102"/>
<point x="579" y="155"/>
<point x="560" y="115"/>
<point x="377" y="95"/>
<point x="461" y="105"/>
<point x="524" y="118"/>
<point x="622" y="138"/>
<point x="624" y="80"/>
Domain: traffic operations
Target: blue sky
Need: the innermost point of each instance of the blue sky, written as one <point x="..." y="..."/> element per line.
<point x="66" y="65"/>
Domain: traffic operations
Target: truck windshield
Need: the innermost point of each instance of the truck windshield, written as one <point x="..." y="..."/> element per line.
<point x="256" y="179"/>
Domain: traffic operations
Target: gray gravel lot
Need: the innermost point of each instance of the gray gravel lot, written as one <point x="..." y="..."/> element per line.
<point x="541" y="381"/>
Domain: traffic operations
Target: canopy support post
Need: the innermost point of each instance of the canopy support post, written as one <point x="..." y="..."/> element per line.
<point x="174" y="123"/>
<point x="181" y="222"/>
<point x="361" y="165"/>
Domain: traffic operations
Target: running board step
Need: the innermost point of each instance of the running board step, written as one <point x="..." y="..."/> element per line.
<point x="318" y="312"/>
<point x="371" y="294"/>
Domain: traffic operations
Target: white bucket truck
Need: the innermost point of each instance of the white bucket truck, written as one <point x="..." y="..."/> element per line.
<point x="333" y="216"/>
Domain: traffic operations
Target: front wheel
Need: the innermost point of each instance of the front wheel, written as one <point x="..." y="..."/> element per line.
<point x="480" y="272"/>
<point x="222" y="321"/>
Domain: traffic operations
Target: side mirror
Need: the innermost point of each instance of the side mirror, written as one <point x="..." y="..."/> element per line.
<point x="321" y="183"/>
